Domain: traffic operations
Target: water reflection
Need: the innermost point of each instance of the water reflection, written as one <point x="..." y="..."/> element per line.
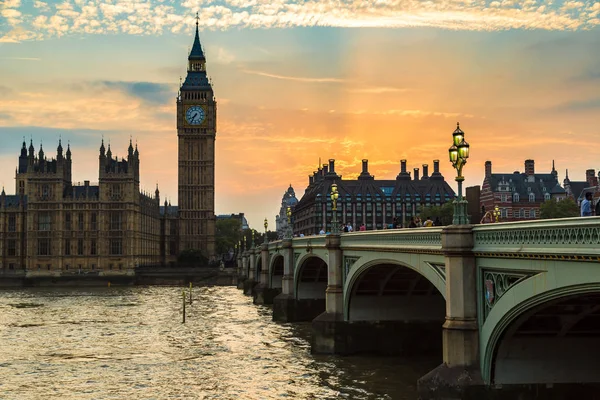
<point x="129" y="343"/>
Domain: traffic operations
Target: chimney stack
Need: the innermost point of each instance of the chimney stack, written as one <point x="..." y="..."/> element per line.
<point x="416" y="176"/>
<point x="332" y="165"/>
<point x="403" y="166"/>
<point x="365" y="166"/>
<point x="529" y="167"/>
<point x="590" y="177"/>
<point x="425" y="171"/>
<point x="436" y="166"/>
<point x="488" y="168"/>
<point x="325" y="169"/>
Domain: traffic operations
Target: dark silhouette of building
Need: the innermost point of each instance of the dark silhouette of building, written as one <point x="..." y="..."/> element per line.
<point x="365" y="200"/>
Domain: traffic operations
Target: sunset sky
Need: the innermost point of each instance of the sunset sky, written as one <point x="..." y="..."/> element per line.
<point x="298" y="80"/>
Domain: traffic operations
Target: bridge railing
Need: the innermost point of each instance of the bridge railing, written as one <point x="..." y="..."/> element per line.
<point x="409" y="238"/>
<point x="565" y="237"/>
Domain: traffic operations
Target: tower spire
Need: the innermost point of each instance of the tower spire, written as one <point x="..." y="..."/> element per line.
<point x="196" y="53"/>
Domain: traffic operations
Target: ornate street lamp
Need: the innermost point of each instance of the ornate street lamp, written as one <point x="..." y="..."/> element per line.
<point x="288" y="212"/>
<point x="245" y="248"/>
<point x="252" y="232"/>
<point x="266" y="226"/>
<point x="496" y="213"/>
<point x="459" y="152"/>
<point x="334" y="197"/>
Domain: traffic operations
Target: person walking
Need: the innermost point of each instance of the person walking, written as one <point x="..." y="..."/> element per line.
<point x="428" y="222"/>
<point x="586" y="205"/>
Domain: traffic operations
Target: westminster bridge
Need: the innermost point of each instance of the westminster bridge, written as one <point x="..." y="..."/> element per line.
<point x="512" y="308"/>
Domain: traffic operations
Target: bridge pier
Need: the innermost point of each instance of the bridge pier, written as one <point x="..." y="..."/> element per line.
<point x="263" y="293"/>
<point x="241" y="273"/>
<point x="459" y="376"/>
<point x="250" y="282"/>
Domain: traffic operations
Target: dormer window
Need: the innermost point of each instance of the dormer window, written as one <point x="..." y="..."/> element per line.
<point x="531" y="197"/>
<point x="516" y="197"/>
<point x="546" y="196"/>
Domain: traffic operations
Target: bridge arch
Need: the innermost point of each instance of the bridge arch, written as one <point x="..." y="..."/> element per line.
<point x="543" y="332"/>
<point x="276" y="271"/>
<point x="391" y="273"/>
<point x="310" y="277"/>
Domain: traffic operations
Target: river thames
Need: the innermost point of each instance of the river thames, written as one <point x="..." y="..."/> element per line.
<point x="130" y="343"/>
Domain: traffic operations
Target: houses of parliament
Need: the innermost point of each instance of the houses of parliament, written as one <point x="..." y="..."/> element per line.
<point x="54" y="226"/>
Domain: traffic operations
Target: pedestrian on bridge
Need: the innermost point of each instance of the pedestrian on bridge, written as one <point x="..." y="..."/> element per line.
<point x="586" y="205"/>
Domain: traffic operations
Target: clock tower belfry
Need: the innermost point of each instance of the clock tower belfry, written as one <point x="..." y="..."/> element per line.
<point x="196" y="131"/>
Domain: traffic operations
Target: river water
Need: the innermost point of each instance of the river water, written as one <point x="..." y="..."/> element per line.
<point x="130" y="343"/>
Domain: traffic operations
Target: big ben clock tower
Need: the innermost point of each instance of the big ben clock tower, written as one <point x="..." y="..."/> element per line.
<point x="196" y="130"/>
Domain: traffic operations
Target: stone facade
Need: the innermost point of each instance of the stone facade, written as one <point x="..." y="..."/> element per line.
<point x="365" y="200"/>
<point x="52" y="225"/>
<point x="519" y="195"/>
<point x="196" y="130"/>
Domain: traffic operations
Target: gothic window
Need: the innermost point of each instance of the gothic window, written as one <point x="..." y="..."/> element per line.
<point x="12" y="223"/>
<point x="80" y="221"/>
<point x="79" y="247"/>
<point x="68" y="221"/>
<point x="116" y="192"/>
<point x="116" y="247"/>
<point x="12" y="247"/>
<point x="115" y="221"/>
<point x="67" y="247"/>
<point x="94" y="221"/>
<point x="45" y="192"/>
<point x="44" y="221"/>
<point x="44" y="247"/>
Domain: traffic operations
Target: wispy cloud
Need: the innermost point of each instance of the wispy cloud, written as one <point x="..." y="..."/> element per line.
<point x="157" y="16"/>
<point x="22" y="58"/>
<point x="378" y="90"/>
<point x="295" y="78"/>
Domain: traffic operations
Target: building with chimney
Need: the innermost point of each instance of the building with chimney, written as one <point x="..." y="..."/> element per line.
<point x="281" y="221"/>
<point x="519" y="195"/>
<point x="369" y="201"/>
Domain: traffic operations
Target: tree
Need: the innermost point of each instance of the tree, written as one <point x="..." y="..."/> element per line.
<point x="565" y="208"/>
<point x="229" y="233"/>
<point x="445" y="213"/>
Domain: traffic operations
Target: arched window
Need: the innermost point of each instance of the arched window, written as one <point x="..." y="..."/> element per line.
<point x="531" y="197"/>
<point x="515" y="197"/>
<point x="546" y="196"/>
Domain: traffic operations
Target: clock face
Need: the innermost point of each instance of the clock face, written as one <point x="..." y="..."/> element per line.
<point x="195" y="115"/>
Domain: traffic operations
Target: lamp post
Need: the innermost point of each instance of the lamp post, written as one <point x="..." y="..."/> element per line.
<point x="334" y="196"/>
<point x="459" y="152"/>
<point x="252" y="233"/>
<point x="496" y="213"/>
<point x="266" y="226"/>
<point x="288" y="212"/>
<point x="245" y="248"/>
